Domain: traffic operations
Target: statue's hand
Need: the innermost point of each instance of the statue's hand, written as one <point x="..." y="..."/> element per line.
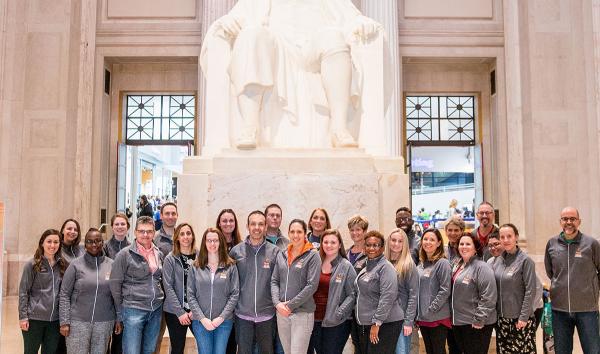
<point x="365" y="28"/>
<point x="231" y="26"/>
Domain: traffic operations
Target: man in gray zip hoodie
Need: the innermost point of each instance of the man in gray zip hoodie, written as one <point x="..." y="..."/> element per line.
<point x="135" y="283"/>
<point x="572" y="262"/>
<point x="255" y="312"/>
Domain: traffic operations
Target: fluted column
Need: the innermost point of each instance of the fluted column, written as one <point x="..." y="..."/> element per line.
<point x="386" y="13"/>
<point x="211" y="11"/>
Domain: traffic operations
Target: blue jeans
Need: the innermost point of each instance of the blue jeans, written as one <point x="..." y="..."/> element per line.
<point x="403" y="345"/>
<point x="140" y="330"/>
<point x="214" y="342"/>
<point x="563" y="326"/>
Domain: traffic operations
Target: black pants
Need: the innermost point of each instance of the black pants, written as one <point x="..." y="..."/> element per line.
<point x="472" y="340"/>
<point x="41" y="333"/>
<point x="231" y="344"/>
<point x="329" y="340"/>
<point x="435" y="339"/>
<point x="116" y="344"/>
<point x="177" y="333"/>
<point x="262" y="333"/>
<point x="453" y="347"/>
<point x="388" y="338"/>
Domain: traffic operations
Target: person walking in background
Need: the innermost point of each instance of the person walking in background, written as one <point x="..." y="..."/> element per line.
<point x="213" y="291"/>
<point x="334" y="298"/>
<point x="474" y="298"/>
<point x="433" y="314"/>
<point x="294" y="281"/>
<point x="517" y="286"/>
<point x="87" y="310"/>
<point x="145" y="207"/>
<point x="397" y="252"/>
<point x="38" y="295"/>
<point x="176" y="271"/>
<point x="572" y="261"/>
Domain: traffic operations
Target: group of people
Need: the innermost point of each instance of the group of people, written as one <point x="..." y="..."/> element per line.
<point x="304" y="293"/>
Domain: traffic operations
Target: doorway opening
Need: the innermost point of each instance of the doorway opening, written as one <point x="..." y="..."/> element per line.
<point x="159" y="132"/>
<point x="445" y="162"/>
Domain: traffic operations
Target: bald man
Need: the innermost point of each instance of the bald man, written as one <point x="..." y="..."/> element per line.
<point x="572" y="262"/>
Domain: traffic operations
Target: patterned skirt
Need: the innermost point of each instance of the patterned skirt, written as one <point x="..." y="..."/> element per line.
<point x="510" y="340"/>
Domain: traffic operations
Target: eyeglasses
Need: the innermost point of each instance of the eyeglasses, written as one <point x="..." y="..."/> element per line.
<point x="145" y="232"/>
<point x="485" y="212"/>
<point x="494" y="245"/>
<point x="404" y="218"/>
<point x="94" y="242"/>
<point x="212" y="241"/>
<point x="569" y="219"/>
<point x="372" y="245"/>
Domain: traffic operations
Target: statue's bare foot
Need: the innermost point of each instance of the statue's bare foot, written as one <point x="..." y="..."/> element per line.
<point x="342" y="138"/>
<point x="247" y="140"/>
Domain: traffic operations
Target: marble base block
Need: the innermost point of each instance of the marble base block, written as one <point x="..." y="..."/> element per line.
<point x="343" y="181"/>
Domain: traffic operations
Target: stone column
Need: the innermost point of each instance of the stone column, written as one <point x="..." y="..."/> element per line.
<point x="386" y="13"/>
<point x="211" y="10"/>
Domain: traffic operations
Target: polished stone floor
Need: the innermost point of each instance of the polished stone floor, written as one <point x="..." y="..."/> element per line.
<point x="12" y="342"/>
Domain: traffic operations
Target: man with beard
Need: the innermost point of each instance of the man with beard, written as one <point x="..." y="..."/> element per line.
<point x="404" y="220"/>
<point x="486" y="216"/>
<point x="572" y="262"/>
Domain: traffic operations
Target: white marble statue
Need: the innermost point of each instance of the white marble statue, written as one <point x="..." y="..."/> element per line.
<point x="293" y="72"/>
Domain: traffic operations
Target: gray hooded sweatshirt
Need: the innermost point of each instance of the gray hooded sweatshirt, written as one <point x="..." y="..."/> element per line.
<point x="408" y="289"/>
<point x="85" y="291"/>
<point x="38" y="292"/>
<point x="474" y="295"/>
<point x="434" y="290"/>
<point x="574" y="272"/>
<point x="70" y="253"/>
<point x="377" y="293"/>
<point x="114" y="246"/>
<point x="255" y="268"/>
<point x="174" y="284"/>
<point x="211" y="297"/>
<point x="132" y="284"/>
<point x="517" y="285"/>
<point x="341" y="296"/>
<point x="296" y="282"/>
<point x="163" y="241"/>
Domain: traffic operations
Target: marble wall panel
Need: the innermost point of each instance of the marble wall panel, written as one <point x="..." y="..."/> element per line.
<point x="464" y="9"/>
<point x="43" y="75"/>
<point x="551" y="15"/>
<point x="44" y="133"/>
<point x="152" y="8"/>
<point x="48" y="11"/>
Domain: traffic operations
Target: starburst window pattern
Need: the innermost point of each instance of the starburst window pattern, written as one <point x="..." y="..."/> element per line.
<point x="160" y="119"/>
<point x="435" y="119"/>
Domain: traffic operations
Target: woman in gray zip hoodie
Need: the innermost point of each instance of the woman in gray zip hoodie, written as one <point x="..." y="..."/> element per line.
<point x="213" y="292"/>
<point x="433" y="307"/>
<point x="378" y="316"/>
<point x="70" y="238"/>
<point x="473" y="298"/>
<point x="517" y="287"/>
<point x="334" y="298"/>
<point x="87" y="310"/>
<point x="38" y="295"/>
<point x="176" y="269"/>
<point x="294" y="281"/>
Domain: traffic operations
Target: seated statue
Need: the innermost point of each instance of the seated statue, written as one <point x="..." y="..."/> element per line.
<point x="293" y="60"/>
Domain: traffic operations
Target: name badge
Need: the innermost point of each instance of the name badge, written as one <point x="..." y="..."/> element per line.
<point x="266" y="264"/>
<point x="427" y="273"/>
<point x="107" y="276"/>
<point x="510" y="273"/>
<point x="466" y="280"/>
<point x="223" y="275"/>
<point x="578" y="253"/>
<point x="299" y="264"/>
<point x="338" y="278"/>
<point x="366" y="278"/>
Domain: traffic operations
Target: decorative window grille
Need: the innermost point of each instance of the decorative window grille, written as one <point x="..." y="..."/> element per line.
<point x="440" y="120"/>
<point x="160" y="119"/>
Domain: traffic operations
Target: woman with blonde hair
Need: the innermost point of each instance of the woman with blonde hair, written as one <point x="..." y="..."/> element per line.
<point x="398" y="253"/>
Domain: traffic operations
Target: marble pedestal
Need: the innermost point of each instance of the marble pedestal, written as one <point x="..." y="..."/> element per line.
<point x="343" y="181"/>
